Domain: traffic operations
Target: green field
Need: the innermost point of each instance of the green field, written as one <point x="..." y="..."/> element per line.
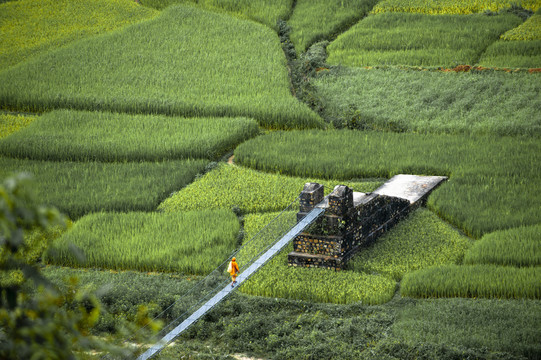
<point x="191" y="242"/>
<point x="126" y="111"/>
<point x="67" y="135"/>
<point x="250" y="191"/>
<point x="402" y="39"/>
<point x="424" y="101"/>
<point x="80" y="188"/>
<point x="175" y="64"/>
<point x="32" y="27"/>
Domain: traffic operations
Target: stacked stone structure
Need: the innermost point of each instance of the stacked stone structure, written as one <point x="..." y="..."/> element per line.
<point x="351" y="220"/>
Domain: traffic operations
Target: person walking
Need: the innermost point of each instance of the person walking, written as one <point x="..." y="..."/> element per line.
<point x="233" y="270"/>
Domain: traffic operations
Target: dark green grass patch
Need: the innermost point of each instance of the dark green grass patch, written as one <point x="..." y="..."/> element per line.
<point x="418" y="39"/>
<point x="313" y="21"/>
<point x="513" y="54"/>
<point x="516" y="247"/>
<point x="67" y="135"/>
<point x="187" y="62"/>
<point x="494" y="181"/>
<point x="263" y="11"/>
<point x="484" y="281"/>
<point x="77" y="189"/>
<point x="420" y="241"/>
<point x="185" y="242"/>
<point x="496" y="325"/>
<point x="436" y="102"/>
<point x="250" y="191"/>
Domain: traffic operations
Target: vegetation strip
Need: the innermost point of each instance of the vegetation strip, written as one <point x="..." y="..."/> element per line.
<point x="67" y="135"/>
<point x="402" y="39"/>
<point x="77" y="189"/>
<point x="452" y="6"/>
<point x="156" y="67"/>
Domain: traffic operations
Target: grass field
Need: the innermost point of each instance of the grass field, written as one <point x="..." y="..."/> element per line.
<point x="10" y="123"/>
<point x="425" y="101"/>
<point x="313" y="21"/>
<point x="67" y="135"/>
<point x="402" y="39"/>
<point x="251" y="191"/>
<point x="32" y="27"/>
<point x="263" y="11"/>
<point x="451" y="6"/>
<point x="156" y="67"/>
<point x="190" y="242"/>
<point x="77" y="189"/>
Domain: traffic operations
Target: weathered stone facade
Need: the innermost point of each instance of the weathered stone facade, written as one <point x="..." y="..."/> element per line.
<point x="351" y="221"/>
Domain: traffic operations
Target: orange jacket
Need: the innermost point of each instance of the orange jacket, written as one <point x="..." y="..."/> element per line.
<point x="234" y="268"/>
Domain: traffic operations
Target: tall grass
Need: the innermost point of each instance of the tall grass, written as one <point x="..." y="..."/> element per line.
<point x="485" y="281"/>
<point x="494" y="181"/>
<point x="512" y="54"/>
<point x="186" y="62"/>
<point x="263" y="11"/>
<point x="67" y="135"/>
<point x="515" y="247"/>
<point x="418" y="39"/>
<point x="277" y="279"/>
<point x="451" y="6"/>
<point x="249" y="190"/>
<point x="316" y="20"/>
<point x="529" y="30"/>
<point x="191" y="243"/>
<point x="494" y="325"/>
<point x="10" y="123"/>
<point x="420" y="241"/>
<point x="31" y="27"/>
<point x="426" y="101"/>
<point x="77" y="189"/>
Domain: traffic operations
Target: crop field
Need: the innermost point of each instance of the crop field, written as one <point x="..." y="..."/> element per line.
<point x="10" y="123"/>
<point x="425" y="101"/>
<point x="155" y="67"/>
<point x="484" y="281"/>
<point x="125" y="112"/>
<point x="80" y="188"/>
<point x="513" y="247"/>
<point x="183" y="242"/>
<point x="451" y="6"/>
<point x="31" y="27"/>
<point x="402" y="39"/>
<point x="251" y="191"/>
<point x="263" y="11"/>
<point x="67" y="135"/>
<point x="488" y="175"/>
<point x="313" y="21"/>
<point x="419" y="242"/>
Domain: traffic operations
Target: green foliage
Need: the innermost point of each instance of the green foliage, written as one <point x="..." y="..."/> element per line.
<point x="11" y="123"/>
<point x="486" y="281"/>
<point x="512" y="54"/>
<point x="80" y="188"/>
<point x="529" y="30"/>
<point x="510" y="326"/>
<point x="263" y="11"/>
<point x="32" y="27"/>
<point x="313" y="21"/>
<point x="426" y="101"/>
<point x="403" y="39"/>
<point x="185" y="62"/>
<point x="191" y="242"/>
<point x="251" y="191"/>
<point x="67" y="135"/>
<point x="489" y="175"/>
<point x="452" y="6"/>
<point x="420" y="241"/>
<point x="515" y="247"/>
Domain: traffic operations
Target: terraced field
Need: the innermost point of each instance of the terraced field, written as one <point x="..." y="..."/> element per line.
<point x="125" y="114"/>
